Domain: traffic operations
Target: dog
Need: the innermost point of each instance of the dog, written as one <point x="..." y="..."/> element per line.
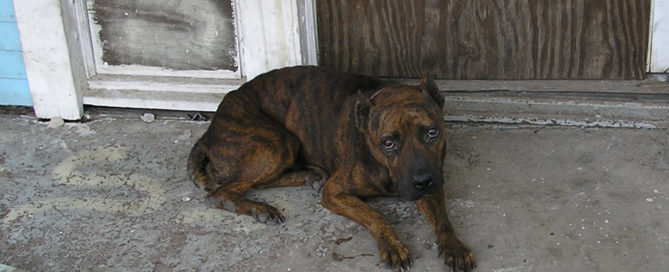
<point x="353" y="136"/>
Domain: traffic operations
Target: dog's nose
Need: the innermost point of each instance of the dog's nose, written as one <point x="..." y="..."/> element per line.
<point x="422" y="181"/>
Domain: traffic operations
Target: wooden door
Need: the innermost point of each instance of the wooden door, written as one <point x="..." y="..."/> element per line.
<point x="486" y="39"/>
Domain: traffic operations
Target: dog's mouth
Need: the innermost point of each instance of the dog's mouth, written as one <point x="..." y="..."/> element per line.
<point x="413" y="196"/>
<point x="412" y="192"/>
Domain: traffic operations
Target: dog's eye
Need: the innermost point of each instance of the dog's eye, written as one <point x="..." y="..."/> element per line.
<point x="432" y="133"/>
<point x="388" y="145"/>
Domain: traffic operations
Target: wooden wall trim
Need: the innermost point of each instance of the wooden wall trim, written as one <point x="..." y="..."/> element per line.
<point x="269" y="35"/>
<point x="55" y="89"/>
<point x="308" y="33"/>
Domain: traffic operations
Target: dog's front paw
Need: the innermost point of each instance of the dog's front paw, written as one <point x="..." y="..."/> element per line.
<point x="457" y="257"/>
<point x="316" y="181"/>
<point x="267" y="214"/>
<point x="394" y="255"/>
<point x="317" y="178"/>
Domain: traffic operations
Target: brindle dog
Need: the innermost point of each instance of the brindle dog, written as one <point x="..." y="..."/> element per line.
<point x="357" y="136"/>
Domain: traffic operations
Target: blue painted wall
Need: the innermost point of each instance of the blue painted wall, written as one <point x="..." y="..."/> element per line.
<point x="14" y="88"/>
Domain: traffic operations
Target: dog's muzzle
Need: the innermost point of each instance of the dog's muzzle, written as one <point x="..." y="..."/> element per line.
<point x="423" y="182"/>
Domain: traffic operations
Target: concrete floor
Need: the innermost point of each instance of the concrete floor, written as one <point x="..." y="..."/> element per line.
<point x="112" y="194"/>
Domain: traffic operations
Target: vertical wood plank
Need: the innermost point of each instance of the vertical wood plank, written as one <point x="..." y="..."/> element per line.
<point x="306" y="11"/>
<point x="486" y="39"/>
<point x="269" y="35"/>
<point x="53" y="88"/>
<point x="659" y="55"/>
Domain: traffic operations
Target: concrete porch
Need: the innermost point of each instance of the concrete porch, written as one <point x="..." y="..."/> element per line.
<point x="112" y="194"/>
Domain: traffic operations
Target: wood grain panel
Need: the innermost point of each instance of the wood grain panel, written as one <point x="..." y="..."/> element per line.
<point x="486" y="39"/>
<point x="175" y="34"/>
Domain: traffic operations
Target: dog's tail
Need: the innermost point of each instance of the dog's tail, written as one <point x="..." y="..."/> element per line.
<point x="197" y="167"/>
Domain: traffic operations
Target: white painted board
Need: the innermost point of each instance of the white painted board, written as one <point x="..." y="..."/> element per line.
<point x="659" y="47"/>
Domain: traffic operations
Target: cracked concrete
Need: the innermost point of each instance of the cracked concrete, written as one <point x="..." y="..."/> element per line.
<point x="113" y="195"/>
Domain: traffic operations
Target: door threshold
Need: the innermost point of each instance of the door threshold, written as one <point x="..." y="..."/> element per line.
<point x="168" y="93"/>
<point x="586" y="103"/>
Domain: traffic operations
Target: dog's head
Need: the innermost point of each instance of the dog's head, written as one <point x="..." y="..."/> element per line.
<point x="404" y="129"/>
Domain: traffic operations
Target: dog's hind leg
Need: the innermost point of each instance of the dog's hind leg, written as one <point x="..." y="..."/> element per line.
<point x="231" y="198"/>
<point x="197" y="167"/>
<point x="260" y="158"/>
<point x="312" y="176"/>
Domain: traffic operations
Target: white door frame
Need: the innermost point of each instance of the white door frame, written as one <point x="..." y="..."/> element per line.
<point x="61" y="71"/>
<point x="658" y="42"/>
<point x="56" y="89"/>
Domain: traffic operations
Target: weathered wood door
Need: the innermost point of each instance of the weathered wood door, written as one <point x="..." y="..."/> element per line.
<point x="486" y="39"/>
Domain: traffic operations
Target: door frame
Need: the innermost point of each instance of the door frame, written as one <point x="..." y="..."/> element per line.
<point x="62" y="74"/>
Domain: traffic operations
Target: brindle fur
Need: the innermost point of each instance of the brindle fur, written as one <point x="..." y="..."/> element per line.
<point x="310" y="125"/>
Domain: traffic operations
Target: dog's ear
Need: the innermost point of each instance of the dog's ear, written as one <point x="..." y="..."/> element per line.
<point x="430" y="88"/>
<point x="362" y="107"/>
